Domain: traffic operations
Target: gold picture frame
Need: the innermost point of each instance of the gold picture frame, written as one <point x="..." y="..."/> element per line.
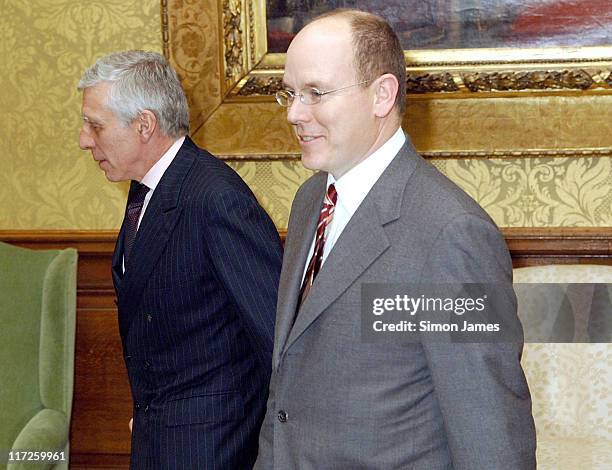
<point x="219" y="49"/>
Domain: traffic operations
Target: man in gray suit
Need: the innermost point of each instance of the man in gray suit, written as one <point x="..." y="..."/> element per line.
<point x="378" y="213"/>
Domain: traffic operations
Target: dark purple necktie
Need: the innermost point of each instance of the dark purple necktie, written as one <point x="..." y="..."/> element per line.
<point x="135" y="202"/>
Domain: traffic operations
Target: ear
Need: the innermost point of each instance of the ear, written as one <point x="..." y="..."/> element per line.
<point x="146" y="124"/>
<point x="386" y="90"/>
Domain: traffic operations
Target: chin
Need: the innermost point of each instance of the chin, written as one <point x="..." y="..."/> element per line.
<point x="111" y="178"/>
<point x="314" y="162"/>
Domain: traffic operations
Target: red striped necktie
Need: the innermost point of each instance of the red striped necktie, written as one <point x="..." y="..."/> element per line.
<point x="325" y="218"/>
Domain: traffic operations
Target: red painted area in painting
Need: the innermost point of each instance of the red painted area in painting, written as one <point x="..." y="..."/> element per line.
<point x="280" y="40"/>
<point x="557" y="17"/>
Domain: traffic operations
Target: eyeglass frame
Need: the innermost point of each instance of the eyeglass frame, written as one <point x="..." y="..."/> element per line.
<point x="317" y="92"/>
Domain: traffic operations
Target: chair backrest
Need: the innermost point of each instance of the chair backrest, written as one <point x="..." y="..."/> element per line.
<point x="38" y="314"/>
<point x="565" y="303"/>
<point x="570" y="383"/>
<point x="564" y="273"/>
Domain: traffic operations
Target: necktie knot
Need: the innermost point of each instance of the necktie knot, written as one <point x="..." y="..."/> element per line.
<point x="137" y="194"/>
<point x="331" y="196"/>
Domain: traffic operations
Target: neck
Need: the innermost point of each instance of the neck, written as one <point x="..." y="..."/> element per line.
<point x="153" y="151"/>
<point x="386" y="129"/>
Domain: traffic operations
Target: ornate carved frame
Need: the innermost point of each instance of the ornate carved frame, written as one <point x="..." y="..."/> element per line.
<point x="219" y="49"/>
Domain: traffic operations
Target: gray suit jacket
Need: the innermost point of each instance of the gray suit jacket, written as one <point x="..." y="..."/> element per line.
<point x="337" y="402"/>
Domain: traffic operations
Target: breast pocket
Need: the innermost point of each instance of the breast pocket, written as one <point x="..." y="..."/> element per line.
<point x="209" y="408"/>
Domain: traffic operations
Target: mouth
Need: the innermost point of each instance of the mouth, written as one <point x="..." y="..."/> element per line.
<point x="307" y="139"/>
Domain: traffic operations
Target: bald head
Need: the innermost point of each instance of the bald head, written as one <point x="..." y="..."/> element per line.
<point x="331" y="41"/>
<point x="376" y="49"/>
<point x="324" y="29"/>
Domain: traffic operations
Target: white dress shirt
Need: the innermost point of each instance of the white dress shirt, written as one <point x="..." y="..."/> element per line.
<point x="154" y="175"/>
<point x="353" y="187"/>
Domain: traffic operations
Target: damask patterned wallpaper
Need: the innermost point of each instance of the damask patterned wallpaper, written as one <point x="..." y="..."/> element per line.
<point x="521" y="192"/>
<point x="47" y="182"/>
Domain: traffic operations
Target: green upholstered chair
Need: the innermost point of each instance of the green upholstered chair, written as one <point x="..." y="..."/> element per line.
<point x="37" y="336"/>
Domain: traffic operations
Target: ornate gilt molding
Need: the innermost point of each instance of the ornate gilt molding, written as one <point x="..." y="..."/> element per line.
<point x="261" y="86"/>
<point x="456" y="73"/>
<point x="467" y="154"/>
<point x="532" y="80"/>
<point x="165" y="30"/>
<point x="467" y="83"/>
<point x="430" y="83"/>
<point x="251" y="32"/>
<point x="507" y="81"/>
<point x="219" y="49"/>
<point x="442" y="59"/>
<point x="233" y="42"/>
<point x="586" y="61"/>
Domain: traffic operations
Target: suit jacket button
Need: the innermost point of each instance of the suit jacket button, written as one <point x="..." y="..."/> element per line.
<point x="283" y="416"/>
<point x="149" y="318"/>
<point x="146" y="364"/>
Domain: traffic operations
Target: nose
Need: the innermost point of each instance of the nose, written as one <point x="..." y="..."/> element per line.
<point x="85" y="140"/>
<point x="297" y="112"/>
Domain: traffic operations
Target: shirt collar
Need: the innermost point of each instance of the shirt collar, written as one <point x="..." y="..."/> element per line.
<point x="355" y="184"/>
<point x="154" y="175"/>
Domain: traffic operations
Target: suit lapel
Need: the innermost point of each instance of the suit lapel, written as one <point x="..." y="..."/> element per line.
<point x="155" y="229"/>
<point x="294" y="260"/>
<point x="362" y="241"/>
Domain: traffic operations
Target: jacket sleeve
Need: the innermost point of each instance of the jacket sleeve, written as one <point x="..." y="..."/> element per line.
<point x="481" y="387"/>
<point x="245" y="249"/>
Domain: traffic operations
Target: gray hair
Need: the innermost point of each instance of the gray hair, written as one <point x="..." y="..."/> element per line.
<point x="141" y="80"/>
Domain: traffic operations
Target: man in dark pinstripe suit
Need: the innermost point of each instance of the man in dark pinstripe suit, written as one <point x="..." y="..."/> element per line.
<point x="195" y="268"/>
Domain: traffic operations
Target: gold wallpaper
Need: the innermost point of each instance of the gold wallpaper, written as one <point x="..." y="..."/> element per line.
<point x="517" y="192"/>
<point x="46" y="181"/>
<point x="538" y="192"/>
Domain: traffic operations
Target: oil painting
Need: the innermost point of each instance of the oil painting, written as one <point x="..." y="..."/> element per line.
<point x="461" y="24"/>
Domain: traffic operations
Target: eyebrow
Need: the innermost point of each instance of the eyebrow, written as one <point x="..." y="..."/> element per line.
<point x="309" y="84"/>
<point x="313" y="85"/>
<point x="91" y="120"/>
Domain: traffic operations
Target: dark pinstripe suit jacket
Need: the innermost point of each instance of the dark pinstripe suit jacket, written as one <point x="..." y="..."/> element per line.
<point x="196" y="316"/>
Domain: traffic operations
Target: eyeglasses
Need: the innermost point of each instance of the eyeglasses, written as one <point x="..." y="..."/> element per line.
<point x="308" y="95"/>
